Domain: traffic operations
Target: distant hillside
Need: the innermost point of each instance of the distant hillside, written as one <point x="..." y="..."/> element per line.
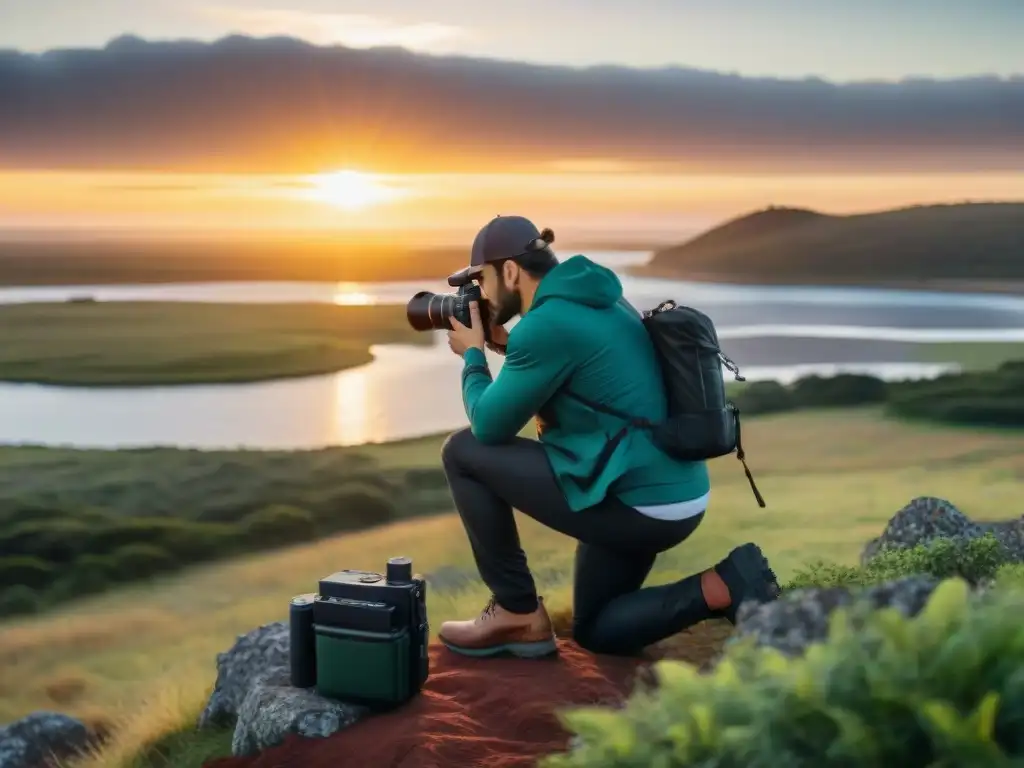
<point x="979" y="246"/>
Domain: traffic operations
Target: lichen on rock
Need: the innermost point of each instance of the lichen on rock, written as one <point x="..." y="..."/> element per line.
<point x="253" y="694"/>
<point x="35" y="738"/>
<point x="927" y="518"/>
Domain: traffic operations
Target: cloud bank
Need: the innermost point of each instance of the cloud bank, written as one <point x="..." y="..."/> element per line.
<point x="281" y="105"/>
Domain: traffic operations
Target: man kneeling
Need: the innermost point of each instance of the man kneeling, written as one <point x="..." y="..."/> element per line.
<point x="576" y="337"/>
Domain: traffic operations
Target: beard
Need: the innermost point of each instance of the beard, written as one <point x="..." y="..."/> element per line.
<point x="507" y="305"/>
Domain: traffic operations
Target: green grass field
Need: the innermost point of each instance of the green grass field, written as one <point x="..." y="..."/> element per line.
<point x="143" y="658"/>
<point x="168" y="343"/>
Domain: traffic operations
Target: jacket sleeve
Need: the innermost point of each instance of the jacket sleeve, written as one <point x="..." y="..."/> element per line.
<point x="536" y="364"/>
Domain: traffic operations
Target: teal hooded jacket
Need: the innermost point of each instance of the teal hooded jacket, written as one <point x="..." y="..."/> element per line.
<point x="579" y="334"/>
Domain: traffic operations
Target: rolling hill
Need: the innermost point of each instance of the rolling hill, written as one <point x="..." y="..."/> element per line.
<point x="971" y="245"/>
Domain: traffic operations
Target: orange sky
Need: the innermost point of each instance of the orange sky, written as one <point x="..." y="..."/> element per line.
<point x="599" y="202"/>
<point x="240" y="132"/>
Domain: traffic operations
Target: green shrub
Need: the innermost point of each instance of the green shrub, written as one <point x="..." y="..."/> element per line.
<point x="355" y="506"/>
<point x="25" y="571"/>
<point x="53" y="540"/>
<point x="277" y="525"/>
<point x="764" y="397"/>
<point x="140" y="561"/>
<point x="975" y="560"/>
<point x="943" y="689"/>
<point x="844" y="389"/>
<point x="185" y="541"/>
<point x="1010" y="576"/>
<point x="18" y="600"/>
<point x="425" y="479"/>
<point x="88" y="575"/>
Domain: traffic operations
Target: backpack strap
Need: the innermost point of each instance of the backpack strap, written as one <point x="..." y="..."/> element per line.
<point x="612" y="443"/>
<point x="742" y="456"/>
<point x="607" y="409"/>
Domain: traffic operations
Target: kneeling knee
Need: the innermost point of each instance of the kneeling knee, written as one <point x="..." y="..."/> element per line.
<point x="589" y="637"/>
<point x="455" y="446"/>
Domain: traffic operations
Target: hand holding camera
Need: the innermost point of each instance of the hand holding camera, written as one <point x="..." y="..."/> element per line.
<point x="462" y="337"/>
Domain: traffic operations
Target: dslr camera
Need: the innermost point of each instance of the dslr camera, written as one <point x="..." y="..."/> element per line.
<point x="428" y="311"/>
<point x="363" y="637"/>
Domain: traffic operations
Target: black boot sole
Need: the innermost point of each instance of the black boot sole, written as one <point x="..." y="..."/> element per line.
<point x="748" y="566"/>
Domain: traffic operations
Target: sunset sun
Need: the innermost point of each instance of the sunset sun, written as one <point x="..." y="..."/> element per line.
<point x="351" y="190"/>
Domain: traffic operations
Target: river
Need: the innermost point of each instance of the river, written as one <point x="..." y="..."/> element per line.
<point x="772" y="332"/>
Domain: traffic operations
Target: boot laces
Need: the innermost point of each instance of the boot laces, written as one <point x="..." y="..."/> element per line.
<point x="489" y="609"/>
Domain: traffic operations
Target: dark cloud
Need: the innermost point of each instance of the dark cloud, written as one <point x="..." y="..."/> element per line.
<point x="244" y="104"/>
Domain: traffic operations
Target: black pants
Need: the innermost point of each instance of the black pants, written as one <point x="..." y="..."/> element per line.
<point x="616" y="549"/>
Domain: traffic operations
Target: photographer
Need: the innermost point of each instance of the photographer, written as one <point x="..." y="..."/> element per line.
<point x="577" y="337"/>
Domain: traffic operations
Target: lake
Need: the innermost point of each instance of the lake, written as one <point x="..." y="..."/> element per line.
<point x="772" y="332"/>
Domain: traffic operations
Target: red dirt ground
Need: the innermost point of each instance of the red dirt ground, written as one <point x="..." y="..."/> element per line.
<point x="484" y="713"/>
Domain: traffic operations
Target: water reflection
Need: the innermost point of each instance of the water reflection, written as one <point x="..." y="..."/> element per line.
<point x="353" y="295"/>
<point x="409" y="391"/>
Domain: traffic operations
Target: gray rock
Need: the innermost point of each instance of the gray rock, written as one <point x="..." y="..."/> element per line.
<point x="927" y="518"/>
<point x="33" y="740"/>
<point x="253" y="694"/>
<point x="273" y="708"/>
<point x="800" y="617"/>
<point x="260" y="652"/>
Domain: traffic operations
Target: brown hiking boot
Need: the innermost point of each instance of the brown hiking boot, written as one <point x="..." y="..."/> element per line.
<point x="497" y="631"/>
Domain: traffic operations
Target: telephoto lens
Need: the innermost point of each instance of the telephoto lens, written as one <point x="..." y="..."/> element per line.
<point x="428" y="311"/>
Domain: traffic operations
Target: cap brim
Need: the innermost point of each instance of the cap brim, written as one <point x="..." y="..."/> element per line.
<point x="463" y="276"/>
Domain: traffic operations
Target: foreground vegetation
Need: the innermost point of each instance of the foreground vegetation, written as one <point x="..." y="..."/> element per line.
<point x="974" y="398"/>
<point x="143" y="658"/>
<point x="165" y="343"/>
<point x="941" y="689"/>
<point x="77" y="522"/>
<point x="971" y="246"/>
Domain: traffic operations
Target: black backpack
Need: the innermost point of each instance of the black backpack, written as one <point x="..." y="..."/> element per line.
<point x="702" y="423"/>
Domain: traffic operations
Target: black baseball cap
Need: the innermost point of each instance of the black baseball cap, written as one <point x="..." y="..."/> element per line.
<point x="504" y="237"/>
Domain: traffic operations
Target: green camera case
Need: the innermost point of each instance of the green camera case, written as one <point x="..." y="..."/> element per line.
<point x="362" y="667"/>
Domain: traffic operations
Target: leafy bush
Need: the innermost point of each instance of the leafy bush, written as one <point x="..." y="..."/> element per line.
<point x="88" y="574"/>
<point x="25" y="571"/>
<point x="52" y="540"/>
<point x="991" y="399"/>
<point x="1010" y="576"/>
<point x="140" y="561"/>
<point x="945" y="688"/>
<point x="844" y="389"/>
<point x="356" y="506"/>
<point x="764" y="397"/>
<point x="975" y="560"/>
<point x="18" y="600"/>
<point x="278" y="524"/>
<point x="186" y="541"/>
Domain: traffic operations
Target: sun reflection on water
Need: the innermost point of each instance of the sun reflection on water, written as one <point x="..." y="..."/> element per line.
<point x="352" y="295"/>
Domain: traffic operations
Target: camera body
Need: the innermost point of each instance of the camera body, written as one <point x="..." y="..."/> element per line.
<point x="428" y="311"/>
<point x="363" y="637"/>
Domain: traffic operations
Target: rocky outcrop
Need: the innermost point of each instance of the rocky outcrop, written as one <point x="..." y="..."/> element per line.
<point x="253" y="694"/>
<point x="927" y="518"/>
<point x="35" y="740"/>
<point x="800" y="618"/>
